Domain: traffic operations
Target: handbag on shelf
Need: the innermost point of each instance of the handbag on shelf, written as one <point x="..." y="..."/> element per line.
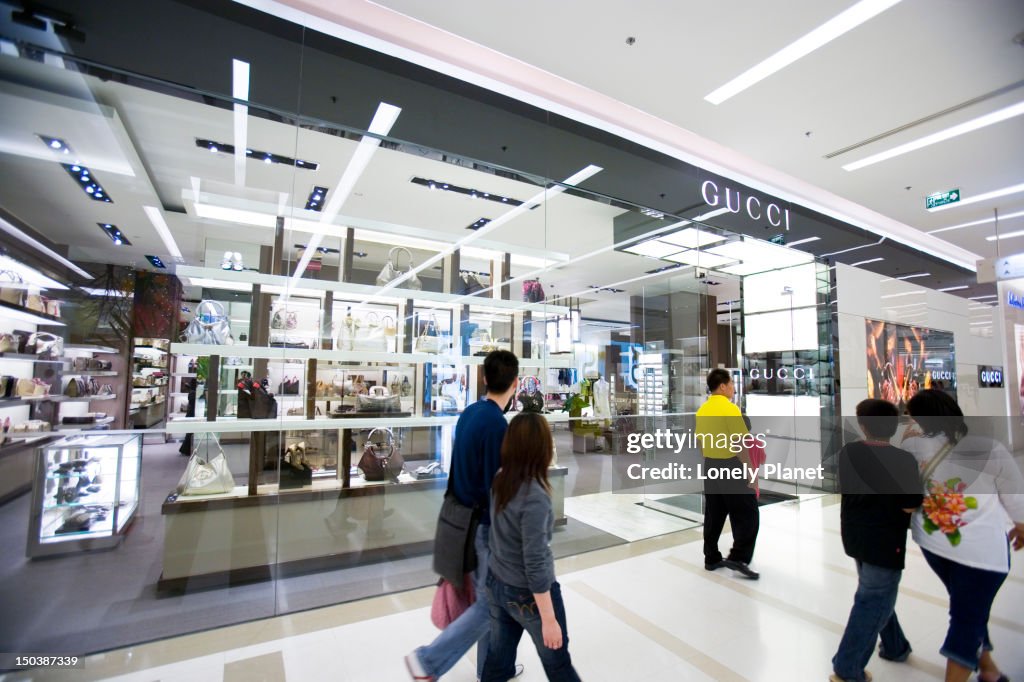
<point x="481" y="342"/>
<point x="368" y="336"/>
<point x="254" y="402"/>
<point x="470" y="283"/>
<point x="533" y="292"/>
<point x="381" y="461"/>
<point x="52" y="307"/>
<point x="47" y="345"/>
<point x="430" y="341"/>
<point x="379" y="399"/>
<point x="35" y="303"/>
<point x="289" y="387"/>
<point x="295" y="471"/>
<point x="284" y="319"/>
<point x="25" y="388"/>
<point x="391" y="271"/>
<point x="8" y="343"/>
<point x="12" y="287"/>
<point x="390" y="329"/>
<point x="209" y="326"/>
<point x="206" y="475"/>
<point x="76" y="389"/>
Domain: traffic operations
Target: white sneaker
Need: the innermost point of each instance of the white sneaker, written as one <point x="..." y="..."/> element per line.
<point x="237" y="264"/>
<point x="226" y="263"/>
<point x="415" y="668"/>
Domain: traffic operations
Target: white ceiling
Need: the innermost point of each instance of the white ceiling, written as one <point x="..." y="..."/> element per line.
<point x="916" y="59"/>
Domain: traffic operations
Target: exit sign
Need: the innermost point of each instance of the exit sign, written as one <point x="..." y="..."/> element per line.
<point x="941" y="199"/>
<point x="778" y="239"/>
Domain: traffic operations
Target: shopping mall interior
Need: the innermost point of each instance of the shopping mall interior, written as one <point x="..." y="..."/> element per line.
<point x="254" y="253"/>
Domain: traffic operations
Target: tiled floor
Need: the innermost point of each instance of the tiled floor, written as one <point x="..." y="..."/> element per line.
<point x="644" y="612"/>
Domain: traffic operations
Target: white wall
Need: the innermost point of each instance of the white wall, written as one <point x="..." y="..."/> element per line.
<point x="864" y="295"/>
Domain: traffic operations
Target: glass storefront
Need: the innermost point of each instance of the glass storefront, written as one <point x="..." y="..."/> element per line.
<point x="274" y="296"/>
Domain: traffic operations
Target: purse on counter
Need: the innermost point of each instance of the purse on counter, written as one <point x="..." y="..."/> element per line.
<point x="379" y="399"/>
<point x="533" y="292"/>
<point x="207" y="475"/>
<point x="391" y="271"/>
<point x="381" y="461"/>
<point x="368" y="336"/>
<point x="209" y="326"/>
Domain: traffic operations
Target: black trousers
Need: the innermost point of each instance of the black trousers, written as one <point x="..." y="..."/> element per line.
<point x="730" y="499"/>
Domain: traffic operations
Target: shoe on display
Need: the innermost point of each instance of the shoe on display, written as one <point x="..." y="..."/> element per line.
<point x="236" y="263"/>
<point x="226" y="263"/>
<point x="416" y="671"/>
<point x="742" y="569"/>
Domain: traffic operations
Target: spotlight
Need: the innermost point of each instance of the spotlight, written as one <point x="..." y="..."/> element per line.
<point x="156" y="262"/>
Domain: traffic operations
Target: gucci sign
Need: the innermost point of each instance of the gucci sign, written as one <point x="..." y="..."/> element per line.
<point x="797" y="372"/>
<point x="752" y="206"/>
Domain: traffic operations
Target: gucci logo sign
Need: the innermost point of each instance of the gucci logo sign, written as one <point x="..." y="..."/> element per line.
<point x="753" y="207"/>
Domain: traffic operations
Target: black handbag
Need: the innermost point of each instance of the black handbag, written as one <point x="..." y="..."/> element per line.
<point x="455" y="538"/>
<point x="254" y="402"/>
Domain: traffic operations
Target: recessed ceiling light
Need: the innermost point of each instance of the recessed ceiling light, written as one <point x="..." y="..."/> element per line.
<point x="155" y="262"/>
<point x="359" y="254"/>
<point x="865" y="262"/>
<point x="941" y="136"/>
<point x="315" y="202"/>
<point x="84" y="178"/>
<point x="827" y="32"/>
<point x="267" y="157"/>
<point x="478" y="224"/>
<point x="1007" y="235"/>
<point x="994" y="194"/>
<point x="465" y="191"/>
<point x="114" y="234"/>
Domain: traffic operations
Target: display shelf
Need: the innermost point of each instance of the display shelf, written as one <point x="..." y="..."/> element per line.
<point x="85" y="427"/>
<point x="99" y="373"/>
<point x="149" y="350"/>
<point x="27" y="357"/>
<point x="82" y="398"/>
<point x="243" y="281"/>
<point x="23" y="314"/>
<point x="184" y="375"/>
<point x="90" y="349"/>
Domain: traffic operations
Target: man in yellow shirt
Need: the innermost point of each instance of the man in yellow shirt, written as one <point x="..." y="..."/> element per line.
<point x="729" y="478"/>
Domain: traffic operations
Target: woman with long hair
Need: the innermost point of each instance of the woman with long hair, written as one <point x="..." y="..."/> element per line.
<point x="523" y="592"/>
<point x="971" y="485"/>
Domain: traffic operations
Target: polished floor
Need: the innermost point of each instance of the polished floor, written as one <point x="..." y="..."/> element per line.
<point x="644" y="611"/>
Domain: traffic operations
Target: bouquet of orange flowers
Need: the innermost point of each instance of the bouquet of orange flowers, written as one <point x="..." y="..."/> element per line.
<point x="944" y="508"/>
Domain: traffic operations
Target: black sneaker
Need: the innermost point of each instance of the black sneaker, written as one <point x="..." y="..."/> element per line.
<point x="742" y="568"/>
<point x="714" y="566"/>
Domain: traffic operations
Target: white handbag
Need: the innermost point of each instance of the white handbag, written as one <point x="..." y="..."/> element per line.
<point x="369" y="335"/>
<point x="207" y="475"/>
<point x="209" y="326"/>
<point x="431" y="341"/>
<point x="391" y="272"/>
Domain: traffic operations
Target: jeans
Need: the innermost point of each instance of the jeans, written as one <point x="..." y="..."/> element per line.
<point x="470" y="628"/>
<point x="971" y="593"/>
<point x="513" y="609"/>
<point x="873" y="614"/>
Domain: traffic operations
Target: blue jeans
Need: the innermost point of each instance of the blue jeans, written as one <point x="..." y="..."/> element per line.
<point x="470" y="628"/>
<point x="513" y="609"/>
<point x="873" y="614"/>
<point x="971" y="593"/>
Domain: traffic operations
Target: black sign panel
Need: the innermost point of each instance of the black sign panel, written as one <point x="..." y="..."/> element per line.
<point x="990" y="376"/>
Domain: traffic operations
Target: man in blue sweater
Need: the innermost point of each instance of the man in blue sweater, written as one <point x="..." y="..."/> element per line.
<point x="476" y="457"/>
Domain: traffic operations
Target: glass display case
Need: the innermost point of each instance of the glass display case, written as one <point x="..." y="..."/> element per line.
<point x="85" y="493"/>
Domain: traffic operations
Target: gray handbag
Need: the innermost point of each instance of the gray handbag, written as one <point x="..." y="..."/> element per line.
<point x="391" y="272"/>
<point x="207" y="475"/>
<point x="379" y="399"/>
<point x="210" y="325"/>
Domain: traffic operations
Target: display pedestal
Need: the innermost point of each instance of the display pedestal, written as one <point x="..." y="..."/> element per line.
<point x="217" y="540"/>
<point x="583" y="443"/>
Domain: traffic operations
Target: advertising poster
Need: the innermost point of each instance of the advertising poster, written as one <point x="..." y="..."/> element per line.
<point x="903" y="360"/>
<point x="1018" y="335"/>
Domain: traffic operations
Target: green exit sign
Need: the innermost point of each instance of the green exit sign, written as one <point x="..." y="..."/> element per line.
<point x="942" y="198"/>
<point x="778" y="239"/>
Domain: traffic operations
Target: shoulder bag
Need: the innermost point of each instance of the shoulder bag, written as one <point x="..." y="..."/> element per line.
<point x="391" y="271"/>
<point x="450" y="602"/>
<point x="47" y="345"/>
<point x="207" y="475"/>
<point x="430" y="341"/>
<point x="454" y="540"/>
<point x="210" y="325"/>
<point x="533" y="292"/>
<point x="12" y="287"/>
<point x="381" y="461"/>
<point x="368" y="335"/>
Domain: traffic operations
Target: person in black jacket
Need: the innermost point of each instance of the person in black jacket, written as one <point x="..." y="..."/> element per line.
<point x="880" y="488"/>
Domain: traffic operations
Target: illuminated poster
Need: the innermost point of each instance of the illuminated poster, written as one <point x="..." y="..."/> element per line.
<point x="1018" y="335"/>
<point x="903" y="360"/>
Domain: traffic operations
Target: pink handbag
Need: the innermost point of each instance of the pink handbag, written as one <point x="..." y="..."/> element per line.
<point x="450" y="602"/>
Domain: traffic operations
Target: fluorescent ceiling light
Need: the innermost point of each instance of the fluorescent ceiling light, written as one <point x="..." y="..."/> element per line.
<point x="822" y="35"/>
<point x="853" y="248"/>
<point x="803" y="241"/>
<point x="958" y="288"/>
<point x="906" y="293"/>
<point x="235" y="215"/>
<point x="713" y="214"/>
<point x="160" y="225"/>
<point x="865" y="262"/>
<point x="653" y="249"/>
<point x="691" y="238"/>
<point x="240" y="91"/>
<point x="941" y="136"/>
<point x="1008" y="235"/>
<point x="42" y="248"/>
<point x="673" y="271"/>
<point x="92" y="291"/>
<point x="1008" y="216"/>
<point x="383" y="119"/>
<point x="994" y="194"/>
<point x="30" y="277"/>
<point x="915" y="275"/>
<point x="701" y="259"/>
<point x="977" y="324"/>
<point x="978" y="298"/>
